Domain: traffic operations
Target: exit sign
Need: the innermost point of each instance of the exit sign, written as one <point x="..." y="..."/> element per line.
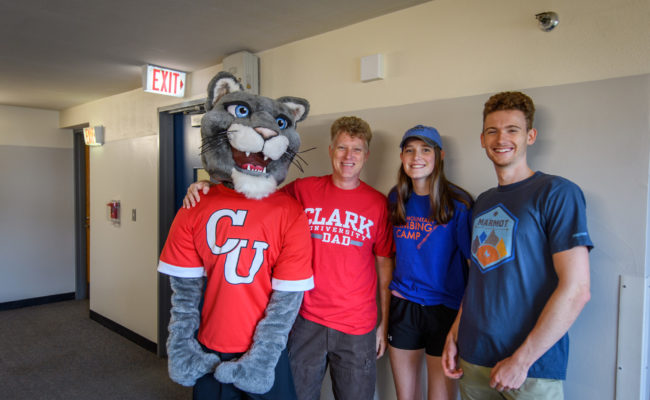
<point x="163" y="81"/>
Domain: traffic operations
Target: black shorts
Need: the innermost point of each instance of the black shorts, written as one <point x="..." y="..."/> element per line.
<point x="413" y="326"/>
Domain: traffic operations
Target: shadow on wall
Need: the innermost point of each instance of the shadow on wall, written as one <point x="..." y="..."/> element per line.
<point x="383" y="162"/>
<point x="314" y="159"/>
<point x="538" y="152"/>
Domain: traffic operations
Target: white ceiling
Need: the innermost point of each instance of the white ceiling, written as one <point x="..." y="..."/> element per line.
<point x="59" y="53"/>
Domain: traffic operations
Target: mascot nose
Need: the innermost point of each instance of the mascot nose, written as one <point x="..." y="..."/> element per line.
<point x="266" y="132"/>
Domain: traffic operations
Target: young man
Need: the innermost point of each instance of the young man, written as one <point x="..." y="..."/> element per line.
<point x="351" y="236"/>
<point x="529" y="277"/>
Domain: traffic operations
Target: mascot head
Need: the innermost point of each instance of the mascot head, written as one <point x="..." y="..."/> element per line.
<point x="249" y="140"/>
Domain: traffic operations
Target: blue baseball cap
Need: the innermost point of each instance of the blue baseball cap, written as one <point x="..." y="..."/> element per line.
<point x="428" y="134"/>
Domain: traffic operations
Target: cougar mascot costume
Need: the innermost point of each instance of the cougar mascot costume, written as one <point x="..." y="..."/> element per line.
<point x="239" y="261"/>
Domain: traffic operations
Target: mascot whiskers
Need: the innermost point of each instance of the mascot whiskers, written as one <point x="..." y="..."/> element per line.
<point x="244" y="252"/>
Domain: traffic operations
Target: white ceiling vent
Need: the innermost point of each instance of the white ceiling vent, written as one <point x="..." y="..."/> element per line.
<point x="245" y="66"/>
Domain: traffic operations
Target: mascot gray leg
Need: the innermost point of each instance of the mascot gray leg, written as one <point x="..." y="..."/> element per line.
<point x="254" y="372"/>
<point x="187" y="360"/>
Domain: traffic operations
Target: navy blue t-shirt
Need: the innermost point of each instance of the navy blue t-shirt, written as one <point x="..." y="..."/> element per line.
<point x="516" y="230"/>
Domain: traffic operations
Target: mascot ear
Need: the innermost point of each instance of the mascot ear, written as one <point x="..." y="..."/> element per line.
<point x="299" y="107"/>
<point x="222" y="84"/>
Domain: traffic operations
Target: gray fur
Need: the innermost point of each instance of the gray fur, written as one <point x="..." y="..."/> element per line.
<point x="298" y="106"/>
<point x="254" y="372"/>
<point x="219" y="86"/>
<point x="217" y="131"/>
<point x="187" y="361"/>
<point x="228" y="136"/>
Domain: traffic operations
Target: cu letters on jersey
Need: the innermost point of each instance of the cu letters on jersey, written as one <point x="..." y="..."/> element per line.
<point x="232" y="247"/>
<point x="493" y="237"/>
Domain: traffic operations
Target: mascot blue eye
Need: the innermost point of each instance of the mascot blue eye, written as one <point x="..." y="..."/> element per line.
<point x="282" y="122"/>
<point x="239" y="110"/>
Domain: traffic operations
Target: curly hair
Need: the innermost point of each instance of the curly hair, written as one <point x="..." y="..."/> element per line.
<point x="511" y="101"/>
<point x="354" y="126"/>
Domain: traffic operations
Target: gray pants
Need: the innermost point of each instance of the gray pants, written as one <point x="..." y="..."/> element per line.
<point x="351" y="358"/>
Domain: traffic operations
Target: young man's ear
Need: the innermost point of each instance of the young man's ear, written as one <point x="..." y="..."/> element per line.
<point x="532" y="136"/>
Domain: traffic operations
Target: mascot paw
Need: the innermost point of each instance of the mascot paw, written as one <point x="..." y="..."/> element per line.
<point x="246" y="376"/>
<point x="185" y="372"/>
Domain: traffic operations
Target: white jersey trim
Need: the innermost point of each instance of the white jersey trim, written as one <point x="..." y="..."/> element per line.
<point x="292" y="286"/>
<point x="180" y="272"/>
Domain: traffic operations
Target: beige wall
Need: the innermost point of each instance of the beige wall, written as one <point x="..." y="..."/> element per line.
<point x="123" y="258"/>
<point x="443" y="49"/>
<point x="29" y="127"/>
<point x="453" y="48"/>
<point x="36" y="205"/>
<point x="134" y="113"/>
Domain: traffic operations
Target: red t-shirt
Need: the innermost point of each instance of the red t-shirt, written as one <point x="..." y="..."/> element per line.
<point x="245" y="248"/>
<point x="348" y="229"/>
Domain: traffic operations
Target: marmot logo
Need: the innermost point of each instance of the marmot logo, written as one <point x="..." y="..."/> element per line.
<point x="492" y="237"/>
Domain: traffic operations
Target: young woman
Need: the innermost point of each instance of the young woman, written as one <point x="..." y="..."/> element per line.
<point x="431" y="227"/>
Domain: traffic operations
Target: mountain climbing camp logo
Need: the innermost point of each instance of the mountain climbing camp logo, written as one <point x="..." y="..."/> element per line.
<point x="492" y="237"/>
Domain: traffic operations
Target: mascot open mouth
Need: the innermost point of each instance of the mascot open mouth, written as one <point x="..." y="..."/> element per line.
<point x="253" y="162"/>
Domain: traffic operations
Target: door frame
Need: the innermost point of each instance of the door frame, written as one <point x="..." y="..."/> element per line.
<point x="80" y="223"/>
<point x="166" y="206"/>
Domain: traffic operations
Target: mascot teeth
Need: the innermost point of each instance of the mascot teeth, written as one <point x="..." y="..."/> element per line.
<point x="247" y="161"/>
<point x="250" y="167"/>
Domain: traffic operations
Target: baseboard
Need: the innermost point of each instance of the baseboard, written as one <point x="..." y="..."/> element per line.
<point x="127" y="333"/>
<point x="36" y="301"/>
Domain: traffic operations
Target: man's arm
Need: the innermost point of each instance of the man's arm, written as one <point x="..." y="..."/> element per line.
<point x="192" y="196"/>
<point x="559" y="313"/>
<point x="384" y="275"/>
<point x="195" y="189"/>
<point x="450" y="352"/>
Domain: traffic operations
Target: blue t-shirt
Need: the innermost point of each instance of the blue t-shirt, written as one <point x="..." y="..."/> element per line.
<point x="516" y="230"/>
<point x="430" y="258"/>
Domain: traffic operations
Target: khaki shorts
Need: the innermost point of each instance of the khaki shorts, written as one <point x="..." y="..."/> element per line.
<point x="475" y="385"/>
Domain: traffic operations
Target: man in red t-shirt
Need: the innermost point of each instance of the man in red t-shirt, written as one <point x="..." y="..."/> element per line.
<point x="351" y="235"/>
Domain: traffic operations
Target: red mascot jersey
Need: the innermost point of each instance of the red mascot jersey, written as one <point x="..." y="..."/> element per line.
<point x="246" y="248"/>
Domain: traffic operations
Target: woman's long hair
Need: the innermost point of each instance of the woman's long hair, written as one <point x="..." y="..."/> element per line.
<point x="442" y="194"/>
